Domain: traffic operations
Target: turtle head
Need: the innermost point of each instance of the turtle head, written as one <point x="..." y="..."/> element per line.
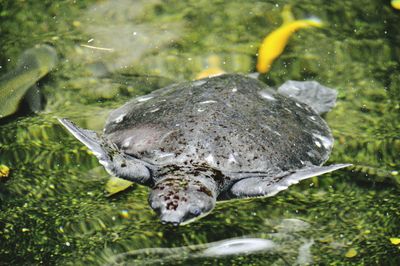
<point x="180" y="200"/>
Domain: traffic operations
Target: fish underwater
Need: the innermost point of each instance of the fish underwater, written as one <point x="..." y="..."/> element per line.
<point x="19" y="83"/>
<point x="275" y="42"/>
<point x="395" y="4"/>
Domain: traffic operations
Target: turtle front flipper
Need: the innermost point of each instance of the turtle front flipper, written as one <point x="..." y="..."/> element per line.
<point x="320" y="98"/>
<point x="114" y="161"/>
<point x="269" y="186"/>
<point x="87" y="137"/>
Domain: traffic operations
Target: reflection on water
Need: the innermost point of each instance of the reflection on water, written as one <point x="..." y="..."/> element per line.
<point x="238" y="247"/>
<point x="283" y="244"/>
<point x="53" y="208"/>
<point x="117" y="39"/>
<point x="229" y="247"/>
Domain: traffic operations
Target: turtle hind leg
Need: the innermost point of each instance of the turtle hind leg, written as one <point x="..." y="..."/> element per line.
<point x="322" y="99"/>
<point x="87" y="137"/>
<point x="267" y="186"/>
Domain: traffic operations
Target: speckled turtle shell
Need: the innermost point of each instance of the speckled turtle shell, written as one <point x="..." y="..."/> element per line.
<point x="231" y="123"/>
<point x="224" y="137"/>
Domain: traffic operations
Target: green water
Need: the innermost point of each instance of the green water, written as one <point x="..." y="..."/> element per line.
<point x="53" y="206"/>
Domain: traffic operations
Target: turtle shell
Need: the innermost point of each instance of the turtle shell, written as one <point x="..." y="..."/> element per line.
<point x="231" y="123"/>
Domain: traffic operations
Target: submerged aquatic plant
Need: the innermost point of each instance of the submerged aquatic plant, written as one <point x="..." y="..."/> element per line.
<point x="53" y="208"/>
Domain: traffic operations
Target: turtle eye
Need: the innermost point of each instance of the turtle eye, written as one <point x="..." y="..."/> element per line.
<point x="155" y="206"/>
<point x="195" y="211"/>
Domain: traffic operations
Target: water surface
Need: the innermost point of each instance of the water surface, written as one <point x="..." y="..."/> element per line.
<point x="53" y="206"/>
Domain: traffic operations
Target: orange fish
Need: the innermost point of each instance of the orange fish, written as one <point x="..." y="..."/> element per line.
<point x="275" y="42"/>
<point x="213" y="68"/>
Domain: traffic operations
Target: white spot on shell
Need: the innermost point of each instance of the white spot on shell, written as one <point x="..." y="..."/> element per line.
<point x="298" y="105"/>
<point x="270" y="129"/>
<point x="276" y="132"/>
<point x="163" y="155"/>
<point x="326" y="142"/>
<point x="126" y="142"/>
<point x="313" y="118"/>
<point x="154" y="110"/>
<point x="232" y="159"/>
<point x="210" y="101"/>
<point x="200" y="110"/>
<point x="144" y="98"/>
<point x="234" y="89"/>
<point x="267" y="96"/>
<point x="120" y="118"/>
<point x="210" y="159"/>
<point x="199" y="82"/>
<point x="318" y="144"/>
<point x="287" y="109"/>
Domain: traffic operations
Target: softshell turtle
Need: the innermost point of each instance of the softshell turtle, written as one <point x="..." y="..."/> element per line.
<point x="229" y="136"/>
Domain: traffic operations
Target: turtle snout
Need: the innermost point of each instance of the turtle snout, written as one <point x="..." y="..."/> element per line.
<point x="171" y="218"/>
<point x="167" y="215"/>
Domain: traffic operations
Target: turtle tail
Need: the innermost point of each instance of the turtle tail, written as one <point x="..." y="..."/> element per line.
<point x="90" y="139"/>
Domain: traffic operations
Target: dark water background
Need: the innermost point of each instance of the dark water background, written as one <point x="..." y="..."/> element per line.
<point x="53" y="209"/>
